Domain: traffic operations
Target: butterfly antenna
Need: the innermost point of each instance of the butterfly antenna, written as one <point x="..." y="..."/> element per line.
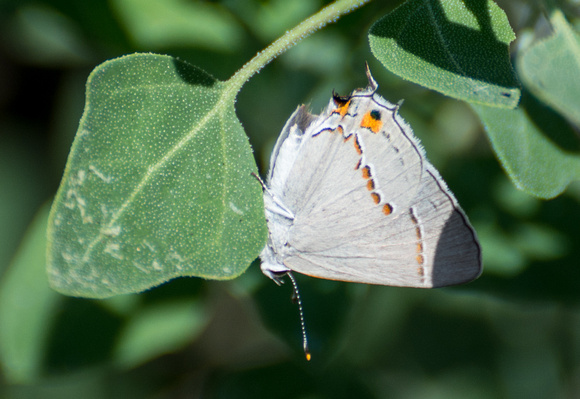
<point x="259" y="180"/>
<point x="296" y="298"/>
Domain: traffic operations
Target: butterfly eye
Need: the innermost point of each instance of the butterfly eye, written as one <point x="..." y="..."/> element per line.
<point x="339" y="100"/>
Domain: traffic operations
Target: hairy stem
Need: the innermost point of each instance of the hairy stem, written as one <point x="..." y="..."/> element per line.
<point x="328" y="14"/>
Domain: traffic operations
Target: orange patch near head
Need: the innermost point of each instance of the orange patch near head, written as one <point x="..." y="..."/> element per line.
<point x="342" y="109"/>
<point x="387" y="209"/>
<point x="372" y="121"/>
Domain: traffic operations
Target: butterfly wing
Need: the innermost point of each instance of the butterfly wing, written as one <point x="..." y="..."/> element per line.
<point x="370" y="208"/>
<point x="431" y="244"/>
<point x="352" y="197"/>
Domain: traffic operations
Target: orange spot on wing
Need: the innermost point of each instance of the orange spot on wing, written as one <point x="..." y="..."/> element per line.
<point x="357" y="146"/>
<point x="366" y="171"/>
<point x="387" y="209"/>
<point x="419" y="247"/>
<point x="420" y="260"/>
<point x="371" y="122"/>
<point x="370" y="185"/>
<point x="376" y="198"/>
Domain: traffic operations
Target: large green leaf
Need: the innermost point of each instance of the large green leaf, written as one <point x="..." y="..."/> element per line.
<point x="457" y="47"/>
<point x="536" y="147"/>
<point x="551" y="68"/>
<point x="158" y="183"/>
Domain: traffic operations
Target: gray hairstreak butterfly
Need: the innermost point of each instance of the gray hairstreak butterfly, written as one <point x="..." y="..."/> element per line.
<point x="351" y="196"/>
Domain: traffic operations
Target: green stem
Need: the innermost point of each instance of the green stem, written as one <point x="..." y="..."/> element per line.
<point x="328" y="14"/>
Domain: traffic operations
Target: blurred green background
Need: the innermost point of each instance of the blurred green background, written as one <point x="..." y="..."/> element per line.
<point x="514" y="333"/>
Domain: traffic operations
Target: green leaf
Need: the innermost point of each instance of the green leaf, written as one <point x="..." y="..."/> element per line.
<point x="459" y="48"/>
<point x="45" y="37"/>
<point x="26" y="306"/>
<point x="268" y="20"/>
<point x="536" y="147"/>
<point x="159" y="330"/>
<point x="162" y="24"/>
<point x="158" y="183"/>
<point x="550" y="69"/>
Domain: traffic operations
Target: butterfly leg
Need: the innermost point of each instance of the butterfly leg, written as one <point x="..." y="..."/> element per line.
<point x="272" y="203"/>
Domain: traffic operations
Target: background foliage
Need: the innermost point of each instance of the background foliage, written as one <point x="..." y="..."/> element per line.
<point x="513" y="333"/>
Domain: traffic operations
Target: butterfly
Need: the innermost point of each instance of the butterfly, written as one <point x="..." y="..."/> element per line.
<point x="351" y="196"/>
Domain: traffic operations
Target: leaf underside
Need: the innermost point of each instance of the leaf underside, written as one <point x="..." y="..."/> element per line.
<point x="459" y="48"/>
<point x="158" y="183"/>
<point x="536" y="147"/>
<point x="551" y="68"/>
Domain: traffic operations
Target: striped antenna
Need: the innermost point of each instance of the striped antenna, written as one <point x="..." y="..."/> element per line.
<point x="296" y="298"/>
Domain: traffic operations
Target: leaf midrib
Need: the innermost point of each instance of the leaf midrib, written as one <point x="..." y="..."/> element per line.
<point x="442" y="40"/>
<point x="221" y="104"/>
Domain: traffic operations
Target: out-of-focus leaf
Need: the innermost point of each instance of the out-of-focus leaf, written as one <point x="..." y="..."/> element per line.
<point x="457" y="47"/>
<point x="321" y="53"/>
<point x="26" y="306"/>
<point x="158" y="330"/>
<point x="270" y="19"/>
<point x="158" y="183"/>
<point x="540" y="242"/>
<point x="43" y="36"/>
<point x="551" y="68"/>
<point x="513" y="201"/>
<point x="502" y="257"/>
<point x="20" y="189"/>
<point x="85" y="384"/>
<point x="536" y="148"/>
<point x="156" y="24"/>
